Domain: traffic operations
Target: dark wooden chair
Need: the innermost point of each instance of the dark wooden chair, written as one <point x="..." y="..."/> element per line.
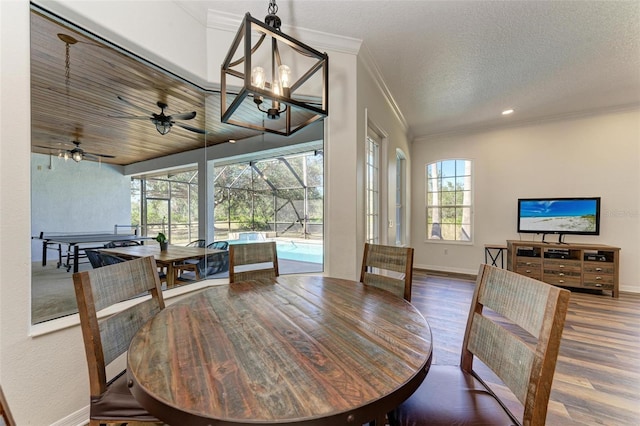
<point x="5" y="415"/>
<point x="389" y="268"/>
<point x="253" y="261"/>
<point x="107" y="338"/>
<point x="514" y="327"/>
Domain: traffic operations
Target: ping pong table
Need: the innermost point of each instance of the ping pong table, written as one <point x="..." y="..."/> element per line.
<point x="79" y="241"/>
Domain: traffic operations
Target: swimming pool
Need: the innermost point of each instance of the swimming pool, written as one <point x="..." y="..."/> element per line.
<point x="301" y="251"/>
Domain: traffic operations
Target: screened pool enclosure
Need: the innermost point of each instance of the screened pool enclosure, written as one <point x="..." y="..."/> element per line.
<point x="279" y="198"/>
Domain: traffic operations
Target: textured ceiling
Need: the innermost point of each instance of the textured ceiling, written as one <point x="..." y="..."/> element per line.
<point x="455" y="65"/>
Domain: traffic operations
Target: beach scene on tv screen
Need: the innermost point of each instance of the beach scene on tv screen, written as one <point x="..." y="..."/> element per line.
<point x="558" y="216"/>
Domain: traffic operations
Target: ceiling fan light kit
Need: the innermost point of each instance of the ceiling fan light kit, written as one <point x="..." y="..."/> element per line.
<point x="287" y="83"/>
<point x="163" y="122"/>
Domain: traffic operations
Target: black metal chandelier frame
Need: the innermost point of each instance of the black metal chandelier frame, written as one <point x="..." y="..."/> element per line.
<point x="281" y="103"/>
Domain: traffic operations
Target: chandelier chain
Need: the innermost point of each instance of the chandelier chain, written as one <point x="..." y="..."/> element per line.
<point x="67" y="68"/>
<point x="273" y="7"/>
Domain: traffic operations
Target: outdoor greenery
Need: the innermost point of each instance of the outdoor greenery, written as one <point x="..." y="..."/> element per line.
<point x="449" y="200"/>
<point x="170" y="204"/>
<point x="282" y="195"/>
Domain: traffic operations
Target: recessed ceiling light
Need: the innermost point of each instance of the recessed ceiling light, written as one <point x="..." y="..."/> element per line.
<point x="507" y="112"/>
<point x="232" y="141"/>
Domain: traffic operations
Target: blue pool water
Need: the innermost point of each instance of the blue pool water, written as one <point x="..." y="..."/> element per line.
<point x="292" y="250"/>
<point x="304" y="252"/>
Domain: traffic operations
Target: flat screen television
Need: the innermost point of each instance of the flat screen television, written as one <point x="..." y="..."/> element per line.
<point x="561" y="216"/>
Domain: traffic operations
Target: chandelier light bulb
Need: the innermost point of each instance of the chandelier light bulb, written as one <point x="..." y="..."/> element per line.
<point x="258" y="78"/>
<point x="276" y="89"/>
<point x="285" y="76"/>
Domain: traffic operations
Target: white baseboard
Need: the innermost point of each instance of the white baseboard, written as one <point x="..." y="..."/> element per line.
<point x="447" y="269"/>
<point x="79" y="418"/>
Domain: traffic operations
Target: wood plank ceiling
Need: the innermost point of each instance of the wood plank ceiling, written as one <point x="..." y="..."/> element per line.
<point x="83" y="105"/>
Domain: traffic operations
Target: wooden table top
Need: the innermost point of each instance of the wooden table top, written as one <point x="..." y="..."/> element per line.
<point x="172" y="254"/>
<point x="297" y="351"/>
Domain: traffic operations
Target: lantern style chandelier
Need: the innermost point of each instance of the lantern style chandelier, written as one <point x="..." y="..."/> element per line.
<point x="278" y="87"/>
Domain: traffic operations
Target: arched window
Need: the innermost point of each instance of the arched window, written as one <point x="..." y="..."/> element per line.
<point x="449" y="200"/>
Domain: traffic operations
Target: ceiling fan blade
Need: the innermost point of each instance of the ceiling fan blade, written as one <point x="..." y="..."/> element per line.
<point x="183" y="116"/>
<point x="100" y="155"/>
<point x="191" y="128"/>
<point x="139" y="108"/>
<point x="97" y="156"/>
<point x="134" y="117"/>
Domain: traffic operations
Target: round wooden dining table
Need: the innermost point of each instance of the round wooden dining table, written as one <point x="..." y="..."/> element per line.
<point x="298" y="350"/>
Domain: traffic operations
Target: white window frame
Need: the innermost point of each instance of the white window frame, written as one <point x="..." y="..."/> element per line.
<point x="372" y="188"/>
<point x="401" y="197"/>
<point x="449" y="200"/>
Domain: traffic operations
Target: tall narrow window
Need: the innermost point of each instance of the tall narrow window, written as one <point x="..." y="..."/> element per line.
<point x="372" y="188"/>
<point x="449" y="200"/>
<point x="400" y="196"/>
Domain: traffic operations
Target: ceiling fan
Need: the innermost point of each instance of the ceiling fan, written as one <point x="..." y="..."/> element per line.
<point x="78" y="154"/>
<point x="162" y="121"/>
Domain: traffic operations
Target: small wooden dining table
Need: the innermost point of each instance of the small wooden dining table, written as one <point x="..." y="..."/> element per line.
<point x="165" y="258"/>
<point x="297" y="350"/>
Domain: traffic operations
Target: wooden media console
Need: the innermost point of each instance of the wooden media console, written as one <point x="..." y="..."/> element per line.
<point x="587" y="266"/>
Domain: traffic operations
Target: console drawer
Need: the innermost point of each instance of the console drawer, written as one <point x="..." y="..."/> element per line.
<point x="599" y="268"/>
<point x="600" y="281"/>
<point x="530" y="271"/>
<point x="566" y="266"/>
<point x="528" y="262"/>
<point x="562" y="279"/>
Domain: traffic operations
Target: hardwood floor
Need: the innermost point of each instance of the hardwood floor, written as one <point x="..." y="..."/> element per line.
<point x="597" y="378"/>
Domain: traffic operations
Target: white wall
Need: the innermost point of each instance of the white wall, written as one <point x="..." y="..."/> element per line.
<point x="44" y="376"/>
<point x="377" y="108"/>
<point x="582" y="156"/>
<point x="76" y="197"/>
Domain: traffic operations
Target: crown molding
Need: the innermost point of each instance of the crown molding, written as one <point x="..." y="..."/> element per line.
<point x="577" y="115"/>
<point x="230" y="22"/>
<point x="372" y="68"/>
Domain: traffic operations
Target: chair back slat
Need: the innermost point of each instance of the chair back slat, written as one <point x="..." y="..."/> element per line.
<point x="515" y="327"/>
<point x="125" y="281"/>
<point x="390" y="284"/>
<point x="389" y="268"/>
<point x="507" y="293"/>
<point x="252" y="261"/>
<point x="509" y="358"/>
<point x="108" y="337"/>
<point x="120" y="328"/>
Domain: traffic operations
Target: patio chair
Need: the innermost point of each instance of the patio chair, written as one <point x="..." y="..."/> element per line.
<point x="94" y="258"/>
<point x="517" y="337"/>
<point x="114" y="244"/>
<point x="107" y="338"/>
<point x="252" y="261"/>
<point x="213" y="264"/>
<point x="110" y="259"/>
<point x="218" y="262"/>
<point x="190" y="265"/>
<point x="389" y="268"/>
